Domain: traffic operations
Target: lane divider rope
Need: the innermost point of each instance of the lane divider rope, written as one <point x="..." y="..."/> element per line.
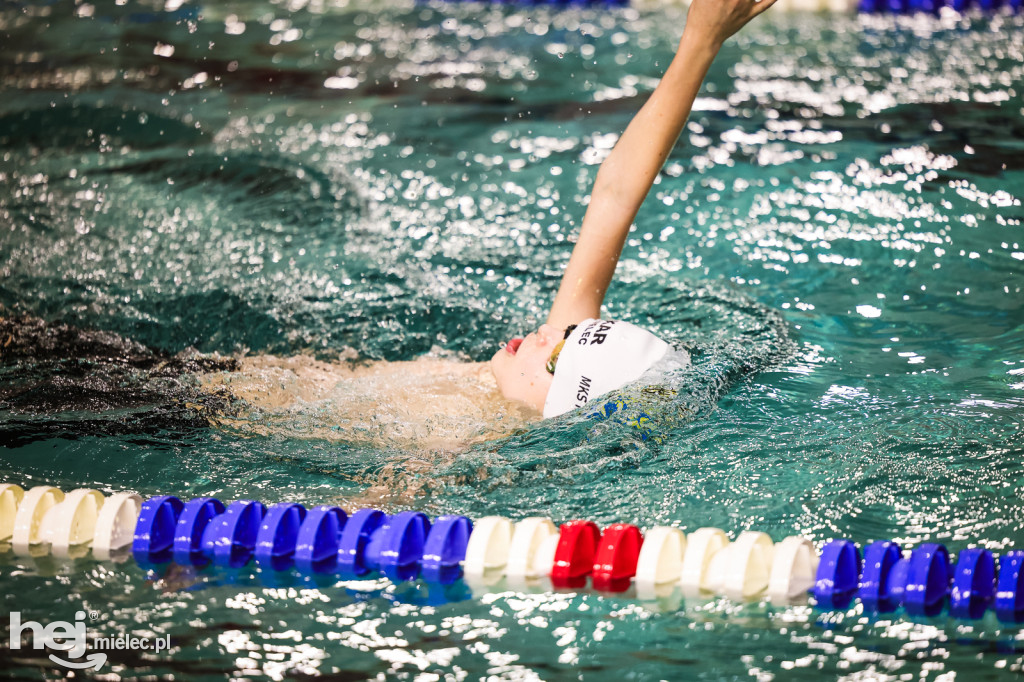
<point x="409" y="546"/>
<point x="934" y="6"/>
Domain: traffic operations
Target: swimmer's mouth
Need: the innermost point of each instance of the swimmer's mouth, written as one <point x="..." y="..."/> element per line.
<point x="513" y="345"/>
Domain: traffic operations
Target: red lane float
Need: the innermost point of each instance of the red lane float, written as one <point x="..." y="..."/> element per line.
<point x="617" y="554"/>
<point x="575" y="553"/>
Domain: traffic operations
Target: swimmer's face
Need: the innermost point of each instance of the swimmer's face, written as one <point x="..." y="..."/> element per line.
<point x="520" y="367"/>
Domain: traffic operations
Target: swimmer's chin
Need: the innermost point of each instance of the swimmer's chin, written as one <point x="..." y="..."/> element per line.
<point x="525" y="409"/>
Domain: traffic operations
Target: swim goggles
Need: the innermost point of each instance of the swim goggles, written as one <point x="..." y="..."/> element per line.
<point x="553" y="360"/>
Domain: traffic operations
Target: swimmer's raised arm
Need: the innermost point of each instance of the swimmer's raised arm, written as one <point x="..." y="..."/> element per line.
<point x="626" y="176"/>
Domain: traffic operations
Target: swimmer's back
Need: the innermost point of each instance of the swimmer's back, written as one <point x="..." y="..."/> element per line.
<point x="433" y="402"/>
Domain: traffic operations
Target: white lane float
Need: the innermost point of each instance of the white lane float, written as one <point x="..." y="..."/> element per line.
<point x="487" y="551"/>
<point x="115" y="524"/>
<point x="10" y="497"/>
<point x="793" y="569"/>
<point x="68" y="526"/>
<point x="34" y="505"/>
<point x="701" y="547"/>
<point x="530" y="535"/>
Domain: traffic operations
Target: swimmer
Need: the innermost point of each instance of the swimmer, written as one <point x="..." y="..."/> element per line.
<point x="575" y="356"/>
<point x="442" y="403"/>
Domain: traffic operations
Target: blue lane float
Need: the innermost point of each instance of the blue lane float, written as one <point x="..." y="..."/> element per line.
<point x="154" y="529"/>
<point x="875" y="589"/>
<point x="1010" y="592"/>
<point x="838" y="575"/>
<point x="927" y="580"/>
<point x="396" y="548"/>
<point x="318" y="540"/>
<point x="355" y="538"/>
<point x="974" y="584"/>
<point x="445" y="549"/>
<point x="934" y="6"/>
<point x="278" y="534"/>
<point x="229" y="539"/>
<point x="188" y="532"/>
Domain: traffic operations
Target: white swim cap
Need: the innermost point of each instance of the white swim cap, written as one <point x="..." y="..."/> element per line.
<point x="600" y="356"/>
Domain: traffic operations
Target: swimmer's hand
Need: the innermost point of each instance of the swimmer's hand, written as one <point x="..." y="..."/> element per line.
<point x="715" y="21"/>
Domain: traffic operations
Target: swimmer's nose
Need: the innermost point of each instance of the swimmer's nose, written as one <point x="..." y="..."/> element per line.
<point x="549" y="332"/>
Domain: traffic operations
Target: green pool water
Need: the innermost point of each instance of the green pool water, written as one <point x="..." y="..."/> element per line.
<point x="838" y="239"/>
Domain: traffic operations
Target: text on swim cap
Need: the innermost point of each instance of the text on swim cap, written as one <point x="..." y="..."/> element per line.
<point x="599" y="335"/>
<point x="583" y="392"/>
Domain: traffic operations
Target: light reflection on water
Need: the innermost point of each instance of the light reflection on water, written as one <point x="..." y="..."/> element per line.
<point x="322" y="176"/>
